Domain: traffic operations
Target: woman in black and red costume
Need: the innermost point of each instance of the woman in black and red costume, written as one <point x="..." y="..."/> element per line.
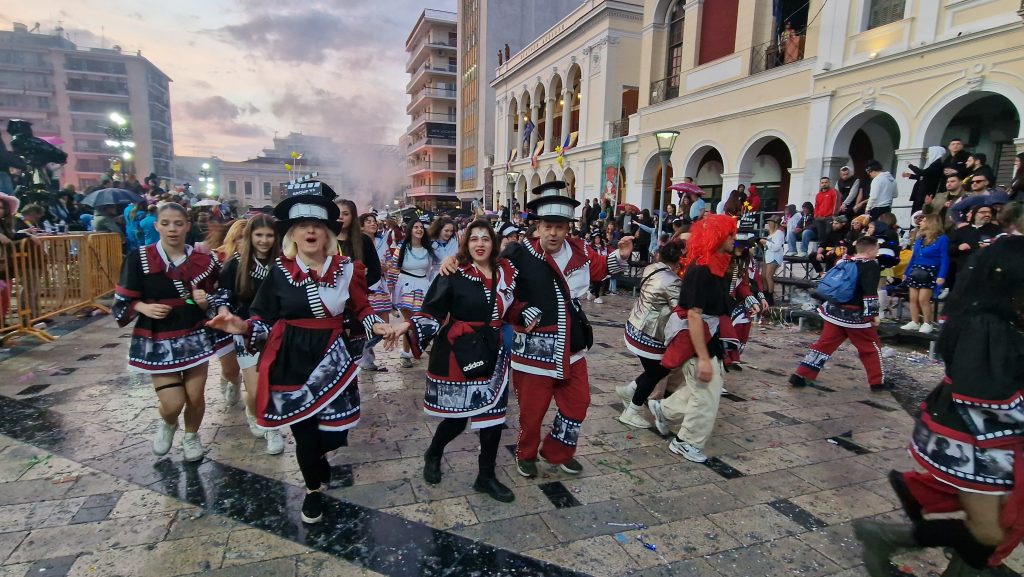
<point x="309" y="317"/>
<point x="970" y="435"/>
<point x="163" y="288"/>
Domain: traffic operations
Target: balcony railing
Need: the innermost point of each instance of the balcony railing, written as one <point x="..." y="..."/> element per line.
<point x="665" y="89"/>
<point x="773" y="55"/>
<point x="433" y="142"/>
<point x="619" y="128"/>
<point x="425" y="189"/>
<point x="432" y="165"/>
<point x="434" y="93"/>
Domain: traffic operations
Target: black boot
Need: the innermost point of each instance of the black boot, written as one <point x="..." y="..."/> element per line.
<point x="432" y="468"/>
<point x="953" y="533"/>
<point x="910" y="505"/>
<point x="881" y="541"/>
<point x="488" y="483"/>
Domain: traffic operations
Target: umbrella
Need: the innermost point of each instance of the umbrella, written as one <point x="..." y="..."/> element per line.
<point x="207" y="202"/>
<point x="630" y="208"/>
<point x="686" y="188"/>
<point x="110" y="196"/>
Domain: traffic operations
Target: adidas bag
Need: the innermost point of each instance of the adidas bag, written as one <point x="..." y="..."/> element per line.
<point x="839" y="284"/>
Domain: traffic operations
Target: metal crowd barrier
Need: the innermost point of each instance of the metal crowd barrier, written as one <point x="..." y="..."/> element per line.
<point x="50" y="275"/>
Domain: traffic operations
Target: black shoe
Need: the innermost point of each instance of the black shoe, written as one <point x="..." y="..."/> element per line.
<point x="572" y="466"/>
<point x="527" y="467"/>
<point x="488" y="484"/>
<point x="882" y="387"/>
<point x="313" y="507"/>
<point x="797" y="381"/>
<point x="432" y="469"/>
<point x="910" y="505"/>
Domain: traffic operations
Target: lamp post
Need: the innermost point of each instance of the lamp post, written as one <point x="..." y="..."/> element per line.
<point x="511" y="177"/>
<point x="207" y="180"/>
<point x="666" y="142"/>
<point x="119" y="137"/>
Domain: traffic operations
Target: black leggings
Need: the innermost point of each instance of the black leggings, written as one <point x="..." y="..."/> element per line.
<point x="490" y="438"/>
<point x="645" y="383"/>
<point x="311" y="448"/>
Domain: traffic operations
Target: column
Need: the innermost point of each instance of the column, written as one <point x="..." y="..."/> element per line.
<point x="799" y="192"/>
<point x="517" y="137"/>
<point x="830" y="166"/>
<point x="534" y="117"/>
<point x="549" y="123"/>
<point x="731" y="180"/>
<point x="567" y="97"/>
<point x="905" y="186"/>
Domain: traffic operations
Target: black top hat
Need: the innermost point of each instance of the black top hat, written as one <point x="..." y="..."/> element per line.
<point x="550" y="204"/>
<point x="308" y="200"/>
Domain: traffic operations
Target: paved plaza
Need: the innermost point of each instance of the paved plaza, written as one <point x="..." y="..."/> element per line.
<point x="81" y="493"/>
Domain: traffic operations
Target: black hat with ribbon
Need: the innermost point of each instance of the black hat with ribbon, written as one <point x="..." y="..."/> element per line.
<point x="308" y="199"/>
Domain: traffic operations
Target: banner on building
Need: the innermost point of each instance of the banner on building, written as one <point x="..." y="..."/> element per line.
<point x="611" y="162"/>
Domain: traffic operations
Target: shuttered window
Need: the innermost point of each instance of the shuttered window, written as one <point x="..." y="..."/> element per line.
<point x="885" y="12"/>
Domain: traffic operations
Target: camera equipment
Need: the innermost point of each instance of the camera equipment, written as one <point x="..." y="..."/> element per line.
<point x="37" y="186"/>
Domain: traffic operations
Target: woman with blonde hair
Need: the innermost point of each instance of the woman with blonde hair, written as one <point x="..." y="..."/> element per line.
<point x="926" y="272"/>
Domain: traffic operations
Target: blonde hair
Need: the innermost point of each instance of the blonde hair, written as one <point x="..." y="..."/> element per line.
<point x="290" y="249"/>
<point x="234" y="234"/>
<point x="930" y="228"/>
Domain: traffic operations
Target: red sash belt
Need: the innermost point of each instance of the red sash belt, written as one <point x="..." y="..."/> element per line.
<point x="462" y="328"/>
<point x="272" y="347"/>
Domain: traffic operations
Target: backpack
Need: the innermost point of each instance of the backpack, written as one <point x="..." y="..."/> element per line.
<point x="839" y="284"/>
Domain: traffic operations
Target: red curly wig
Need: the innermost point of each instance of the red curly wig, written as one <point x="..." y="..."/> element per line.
<point x="706" y="238"/>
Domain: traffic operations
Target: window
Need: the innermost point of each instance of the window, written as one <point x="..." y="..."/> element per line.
<point x="674" y="57"/>
<point x="248" y="188"/>
<point x="717" y="30"/>
<point x="885" y="12"/>
<point x="233" y="187"/>
<point x="266" y="190"/>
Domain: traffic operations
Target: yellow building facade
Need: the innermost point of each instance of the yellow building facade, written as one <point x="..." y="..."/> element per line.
<point x="773" y="99"/>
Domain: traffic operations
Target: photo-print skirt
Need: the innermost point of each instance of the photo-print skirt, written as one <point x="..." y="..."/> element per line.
<point x="977" y="449"/>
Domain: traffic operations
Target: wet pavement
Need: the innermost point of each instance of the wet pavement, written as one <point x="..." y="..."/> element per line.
<point x="82" y="494"/>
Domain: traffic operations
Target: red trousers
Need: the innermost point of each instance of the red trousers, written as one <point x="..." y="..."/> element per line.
<point x="572" y="397"/>
<point x="869" y="349"/>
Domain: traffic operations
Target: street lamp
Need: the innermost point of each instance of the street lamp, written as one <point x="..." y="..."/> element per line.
<point x="511" y="177"/>
<point x="666" y="141"/>
<point x="119" y="137"/>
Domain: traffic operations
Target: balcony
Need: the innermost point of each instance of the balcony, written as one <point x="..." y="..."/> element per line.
<point x="419" y="119"/>
<point x="665" y="89"/>
<point x="763" y="58"/>
<point x="441" y="43"/>
<point x="430" y="92"/>
<point x="428" y="69"/>
<point x="431" y="166"/>
<point x="433" y="143"/>
<point x="432" y="189"/>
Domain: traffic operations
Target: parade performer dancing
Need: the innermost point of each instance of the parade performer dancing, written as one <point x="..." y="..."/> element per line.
<point x="240" y="280"/>
<point x="552" y="333"/>
<point x="645" y="332"/>
<point x="380" y="295"/>
<point x="415" y="269"/>
<point x="968" y="437"/>
<point x="307" y="372"/>
<point x="697" y="335"/>
<point x="745" y="289"/>
<point x="468" y="372"/>
<point x="163" y="288"/>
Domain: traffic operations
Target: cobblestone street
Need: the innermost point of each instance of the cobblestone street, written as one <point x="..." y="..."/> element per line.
<point x="83" y="495"/>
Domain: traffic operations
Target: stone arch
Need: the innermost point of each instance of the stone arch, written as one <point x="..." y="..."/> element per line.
<point x="842" y="130"/>
<point x="765" y="161"/>
<point x="550" y="176"/>
<point x="696" y="155"/>
<point x="651" y="195"/>
<point x="752" y="148"/>
<point x="865" y="134"/>
<point x="570" y="182"/>
<point x="535" y="180"/>
<point x="522" y="191"/>
<point x="937" y="117"/>
<point x="661" y="10"/>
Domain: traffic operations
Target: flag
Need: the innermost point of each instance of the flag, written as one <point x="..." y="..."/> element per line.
<point x="527" y="130"/>
<point x="511" y="156"/>
<point x="561" y="152"/>
<point x="536" y="153"/>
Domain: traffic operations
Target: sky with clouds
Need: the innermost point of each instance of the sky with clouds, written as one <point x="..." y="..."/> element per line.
<point x="243" y="69"/>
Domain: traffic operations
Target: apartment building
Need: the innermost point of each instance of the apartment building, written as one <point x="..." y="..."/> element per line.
<point x="429" y="141"/>
<point x="775" y="94"/>
<point x="69" y="93"/>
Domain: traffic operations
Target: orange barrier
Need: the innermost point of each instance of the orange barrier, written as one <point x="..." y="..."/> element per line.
<point x="52" y="275"/>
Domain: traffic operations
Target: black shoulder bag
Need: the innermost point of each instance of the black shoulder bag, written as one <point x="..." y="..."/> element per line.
<point x="477" y="352"/>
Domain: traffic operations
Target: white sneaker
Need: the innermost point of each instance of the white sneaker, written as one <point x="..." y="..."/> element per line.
<point x="625" y="392"/>
<point x="660" y="422"/>
<point x="911" y="326"/>
<point x="801" y="254"/>
<point x="192" y="448"/>
<point x="254" y="429"/>
<point x="164" y="437"/>
<point x="590" y="296"/>
<point x="943" y="294"/>
<point x="275" y="442"/>
<point x="230" y="392"/>
<point x="688" y="451"/>
<point x="790" y="253"/>
<point x="632" y="417"/>
<point x="926" y="328"/>
<point x="598" y="301"/>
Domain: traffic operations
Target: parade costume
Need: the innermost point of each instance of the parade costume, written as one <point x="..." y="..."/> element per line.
<point x="307" y="324"/>
<point x="549" y="362"/>
<point x="470" y="305"/>
<point x="414" y="277"/>
<point x="746" y="291"/>
<point x="444" y="249"/>
<point x="180" y="340"/>
<point x="849" y="320"/>
<point x="704" y="287"/>
<point x="227" y="296"/>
